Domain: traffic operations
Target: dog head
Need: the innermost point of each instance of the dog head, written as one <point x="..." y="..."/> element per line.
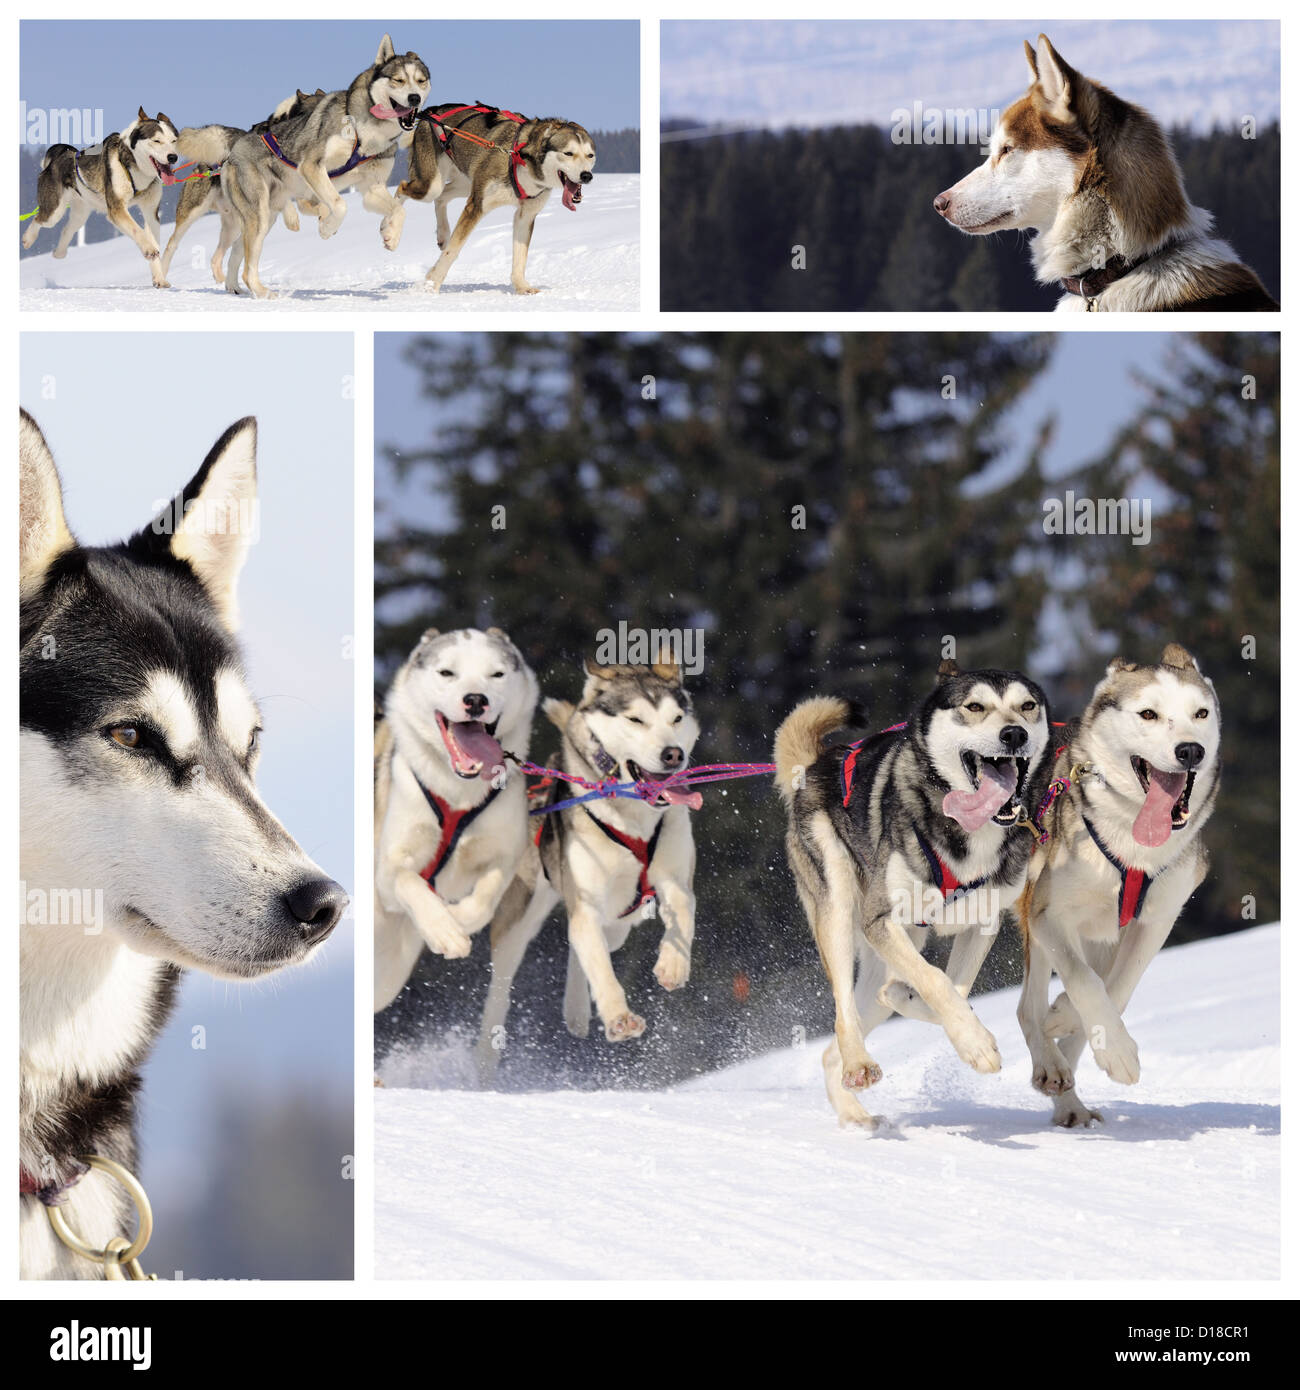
<point x="643" y="718"/>
<point x="469" y="693"/>
<point x="139" y="736"/>
<point x="984" y="735"/>
<point x="399" y="85"/>
<point x="565" y="158"/>
<point x="1153" y="734"/>
<point x="1070" y="136"/>
<point x="152" y="142"/>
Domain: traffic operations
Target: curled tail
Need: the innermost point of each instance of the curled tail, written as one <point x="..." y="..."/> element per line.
<point x="53" y="152"/>
<point x="207" y="144"/>
<point x="559" y="712"/>
<point x="799" y="739"/>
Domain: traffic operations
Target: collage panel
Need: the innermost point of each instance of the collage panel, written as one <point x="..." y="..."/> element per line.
<point x="296" y="165"/>
<point x="186" y="808"/>
<point x="1109" y="165"/>
<point x="742" y="691"/>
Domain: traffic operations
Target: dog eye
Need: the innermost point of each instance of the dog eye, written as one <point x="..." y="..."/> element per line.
<point x="679" y="719"/>
<point x="1147" y="714"/>
<point x="1202" y="714"/>
<point x="254" y="741"/>
<point x="975" y="707"/>
<point x="446" y="673"/>
<point x="1004" y="151"/>
<point x="634" y="719"/>
<point x="1029" y="707"/>
<point x="125" y="735"/>
<point x="497" y="675"/>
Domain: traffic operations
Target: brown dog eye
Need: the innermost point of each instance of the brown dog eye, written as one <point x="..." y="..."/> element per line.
<point x="1147" y="714"/>
<point x="1029" y="707"/>
<point x="125" y="735"/>
<point x="975" y="707"/>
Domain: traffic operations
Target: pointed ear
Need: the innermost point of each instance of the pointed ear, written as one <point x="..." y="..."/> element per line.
<point x="164" y="120"/>
<point x="211" y="524"/>
<point x="141" y="116"/>
<point x="948" y="668"/>
<point x="666" y="666"/>
<point x="600" y="673"/>
<point x="43" y="534"/>
<point x="1032" y="60"/>
<point x="1179" y="658"/>
<point x="302" y="96"/>
<point x="1057" y="80"/>
<point x="1118" y="663"/>
<point x="386" y="51"/>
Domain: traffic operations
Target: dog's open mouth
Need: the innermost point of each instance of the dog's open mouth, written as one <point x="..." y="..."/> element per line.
<point x="164" y="171"/>
<point x="405" y="116"/>
<point x="997" y="784"/>
<point x="571" y="192"/>
<point x="1167" y="803"/>
<point x="471" y="746"/>
<point x="406" y="119"/>
<point x="669" y="796"/>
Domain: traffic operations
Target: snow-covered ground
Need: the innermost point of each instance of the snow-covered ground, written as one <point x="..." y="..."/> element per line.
<point x="588" y="259"/>
<point x="743" y="1174"/>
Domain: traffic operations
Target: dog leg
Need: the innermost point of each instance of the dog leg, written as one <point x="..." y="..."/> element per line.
<point x="255" y="233"/>
<point x="587" y="939"/>
<point x="673" y="967"/>
<point x="440" y="930"/>
<point x="66" y="200"/>
<point x="525" y="216"/>
<point x="1113" y="1047"/>
<point x="442" y="230"/>
<point x="577" y="998"/>
<point x="397" y="948"/>
<point x="78" y="216"/>
<point x="469" y="218"/>
<point x="150" y="206"/>
<point x="1052" y="1074"/>
<point x="187" y="214"/>
<point x="974" y="1044"/>
<point x="335" y="209"/>
<point x="969" y="950"/>
<point x="510" y="942"/>
<point x="391" y="209"/>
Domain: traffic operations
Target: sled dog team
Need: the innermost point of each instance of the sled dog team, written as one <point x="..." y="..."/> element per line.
<point x="1090" y="833"/>
<point x="304" y="156"/>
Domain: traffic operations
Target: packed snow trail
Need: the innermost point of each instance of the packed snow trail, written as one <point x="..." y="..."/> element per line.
<point x="588" y="260"/>
<point x="743" y="1174"/>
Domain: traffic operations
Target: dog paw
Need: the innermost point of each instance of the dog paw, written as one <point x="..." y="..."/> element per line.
<point x="624" y="1026"/>
<point x="328" y="226"/>
<point x="904" y="1000"/>
<point x="860" y="1077"/>
<point x="162" y="284"/>
<point x="862" y="1122"/>
<point x="59" y="255"/>
<point x="977" y="1047"/>
<point x="672" y="969"/>
<point x="522" y="288"/>
<point x="1053" y="1080"/>
<point x="390" y="232"/>
<point x="431" y="286"/>
<point x="1116" y="1053"/>
<point x="1061" y="1020"/>
<point x="1071" y="1113"/>
<point x="454" y="945"/>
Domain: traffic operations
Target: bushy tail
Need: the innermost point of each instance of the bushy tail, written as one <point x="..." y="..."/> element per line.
<point x="799" y="739"/>
<point x="559" y="712"/>
<point x="206" y="144"/>
<point x="52" y="152"/>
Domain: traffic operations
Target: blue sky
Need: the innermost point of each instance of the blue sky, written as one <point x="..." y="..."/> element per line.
<point x="118" y="455"/>
<point x="801" y="72"/>
<point x="235" y="71"/>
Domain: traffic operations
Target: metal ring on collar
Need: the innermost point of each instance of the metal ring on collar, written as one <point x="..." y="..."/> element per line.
<point x="143" y="1210"/>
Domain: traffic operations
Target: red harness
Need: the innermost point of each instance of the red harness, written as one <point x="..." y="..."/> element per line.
<point x="443" y="132"/>
<point x="1133" y="883"/>
<point x="643" y="851"/>
<point x="451" y="823"/>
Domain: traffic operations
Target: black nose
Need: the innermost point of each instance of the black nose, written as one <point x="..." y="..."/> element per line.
<point x="475" y="705"/>
<point x="171" y="159"/>
<point x="586" y="176"/>
<point x="318" y="904"/>
<point x="942" y="203"/>
<point x="413" y="99"/>
<point x="1013" y="737"/>
<point x="1189" y="754"/>
<point x="672" y="757"/>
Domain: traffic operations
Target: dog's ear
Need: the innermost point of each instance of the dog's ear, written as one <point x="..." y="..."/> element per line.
<point x="1118" y="664"/>
<point x="559" y="712"/>
<point x="141" y="116"/>
<point x="213" y="521"/>
<point x="1032" y="59"/>
<point x="386" y="51"/>
<point x="1179" y="658"/>
<point x="301" y="97"/>
<point x="1061" y="87"/>
<point x="43" y="533"/>
<point x="948" y="668"/>
<point x="320" y="92"/>
<point x="667" y="667"/>
<point x="428" y="635"/>
<point x="596" y="672"/>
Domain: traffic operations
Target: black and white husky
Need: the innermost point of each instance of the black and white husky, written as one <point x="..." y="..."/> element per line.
<point x="451" y="817"/>
<point x="912" y="829"/>
<point x="145" y="848"/>
<point x="1124" y="856"/>
<point x="129" y="168"/>
<point x="611" y="862"/>
<point x="1095" y="177"/>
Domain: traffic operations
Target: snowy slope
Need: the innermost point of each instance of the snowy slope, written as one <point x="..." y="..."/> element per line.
<point x="744" y="1175"/>
<point x="588" y="259"/>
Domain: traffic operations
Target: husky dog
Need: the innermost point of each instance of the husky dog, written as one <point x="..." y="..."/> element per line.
<point x="347" y="140"/>
<point x="1094" y="176"/>
<point x="130" y="167"/>
<point x="139" y="741"/>
<point x="451" y="820"/>
<point x="201" y="192"/>
<point x="914" y="828"/>
<point x="609" y="861"/>
<point x="1125" y="854"/>
<point x="493" y="159"/>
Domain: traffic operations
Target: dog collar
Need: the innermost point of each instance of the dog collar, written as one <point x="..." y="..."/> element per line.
<point x="51" y="1194"/>
<point x="941" y="872"/>
<point x="1090" y="285"/>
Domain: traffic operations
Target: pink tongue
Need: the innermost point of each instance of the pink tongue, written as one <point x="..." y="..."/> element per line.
<point x="384" y="113"/>
<point x="972" y="809"/>
<point x="471" y="744"/>
<point x="568" y="198"/>
<point x="682" y="796"/>
<point x="1154" y="823"/>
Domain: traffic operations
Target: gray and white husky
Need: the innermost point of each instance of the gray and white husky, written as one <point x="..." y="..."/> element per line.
<point x="348" y="139"/>
<point x="493" y="159"/>
<point x="203" y="192"/>
<point x="912" y="829"/>
<point x="130" y="167"/>
<point x="138" y="747"/>
<point x="451" y="818"/>
<point x="611" y="861"/>
<point x="1125" y="854"/>
<point x="1095" y="177"/>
